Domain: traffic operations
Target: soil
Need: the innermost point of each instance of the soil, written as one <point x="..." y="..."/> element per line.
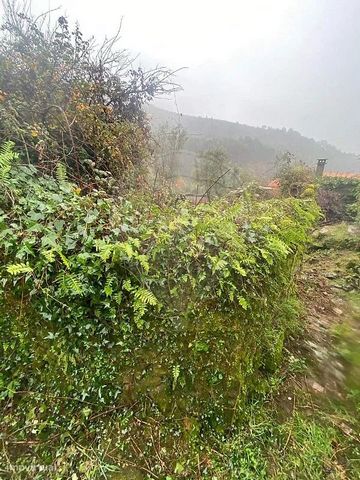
<point x="332" y="307"/>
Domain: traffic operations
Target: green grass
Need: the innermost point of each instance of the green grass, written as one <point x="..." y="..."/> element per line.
<point x="338" y="236"/>
<point x="309" y="451"/>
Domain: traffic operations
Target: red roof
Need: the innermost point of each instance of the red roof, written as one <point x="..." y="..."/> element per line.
<point x="274" y="183"/>
<point x="342" y="175"/>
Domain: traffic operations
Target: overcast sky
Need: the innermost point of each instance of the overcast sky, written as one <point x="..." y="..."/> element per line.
<point x="282" y="63"/>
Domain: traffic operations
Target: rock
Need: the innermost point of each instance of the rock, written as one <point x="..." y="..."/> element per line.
<point x="127" y="473"/>
<point x="353" y="230"/>
<point x="317" y="387"/>
<point x="346" y="429"/>
<point x="338" y="365"/>
<point x="338" y="311"/>
<point x="330" y="275"/>
<point x="340" y="377"/>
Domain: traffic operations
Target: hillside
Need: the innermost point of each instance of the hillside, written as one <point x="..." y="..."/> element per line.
<point x="254" y="148"/>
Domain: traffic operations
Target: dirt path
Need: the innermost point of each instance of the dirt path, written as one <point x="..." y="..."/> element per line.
<point x="327" y="387"/>
<point x="332" y="304"/>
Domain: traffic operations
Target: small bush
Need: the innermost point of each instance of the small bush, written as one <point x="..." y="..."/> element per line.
<point x="296" y="178"/>
<point x="331" y="205"/>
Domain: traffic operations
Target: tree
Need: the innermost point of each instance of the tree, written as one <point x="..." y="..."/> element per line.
<point x="64" y="99"/>
<point x="214" y="172"/>
<point x="169" y="142"/>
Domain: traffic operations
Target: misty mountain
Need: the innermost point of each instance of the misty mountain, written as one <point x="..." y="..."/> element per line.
<point x="252" y="148"/>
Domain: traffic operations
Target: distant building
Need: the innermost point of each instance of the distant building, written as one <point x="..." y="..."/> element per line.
<point x="274" y="183"/>
<point x="321" y="173"/>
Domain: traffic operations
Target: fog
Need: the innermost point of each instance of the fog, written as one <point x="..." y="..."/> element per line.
<point x="281" y="63"/>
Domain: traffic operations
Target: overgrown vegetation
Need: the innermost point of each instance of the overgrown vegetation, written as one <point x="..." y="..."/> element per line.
<point x="339" y="198"/>
<point x="296" y="178"/>
<point x="215" y="174"/>
<point x="142" y="335"/>
<point x="109" y="306"/>
<point x="62" y="99"/>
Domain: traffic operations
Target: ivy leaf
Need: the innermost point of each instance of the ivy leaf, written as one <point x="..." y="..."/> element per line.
<point x="179" y="468"/>
<point x="91" y="216"/>
<point x="243" y="302"/>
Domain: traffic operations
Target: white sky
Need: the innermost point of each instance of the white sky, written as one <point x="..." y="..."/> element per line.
<point x="292" y="63"/>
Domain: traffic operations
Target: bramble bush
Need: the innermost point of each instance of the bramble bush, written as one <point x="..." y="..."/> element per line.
<point x="115" y="306"/>
<point x="65" y="99"/>
<point x="339" y="198"/>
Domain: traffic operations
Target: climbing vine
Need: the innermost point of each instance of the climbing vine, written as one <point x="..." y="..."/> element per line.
<point x="108" y="304"/>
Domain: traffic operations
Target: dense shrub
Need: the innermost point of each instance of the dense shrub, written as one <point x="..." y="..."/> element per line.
<point x="108" y="306"/>
<point x="331" y="205"/>
<point x="357" y="204"/>
<point x="215" y="174"/>
<point x="294" y="175"/>
<point x="338" y="198"/>
<point x="64" y="99"/>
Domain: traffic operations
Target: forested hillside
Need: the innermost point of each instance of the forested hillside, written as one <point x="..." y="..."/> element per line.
<point x="254" y="148"/>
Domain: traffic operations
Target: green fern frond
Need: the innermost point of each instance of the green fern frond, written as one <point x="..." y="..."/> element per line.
<point x="49" y="255"/>
<point x="7" y="155"/>
<point x="144" y="262"/>
<point x="278" y="246"/>
<point x="65" y="261"/>
<point x="217" y="263"/>
<point x="142" y="298"/>
<point x="142" y="295"/>
<point x="108" y="288"/>
<point x="18" y="268"/>
<point x="105" y="249"/>
<point x="61" y="175"/>
<point x="70" y="284"/>
<point x="139" y="310"/>
<point x="122" y="249"/>
<point x="243" y="302"/>
<point x="127" y="285"/>
<point x="118" y="297"/>
<point x="175" y="375"/>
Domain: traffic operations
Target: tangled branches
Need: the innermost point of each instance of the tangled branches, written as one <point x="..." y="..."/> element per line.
<point x="64" y="99"/>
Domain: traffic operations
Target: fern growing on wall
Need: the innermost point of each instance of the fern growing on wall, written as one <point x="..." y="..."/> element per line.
<point x="103" y="304"/>
<point x="7" y="156"/>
